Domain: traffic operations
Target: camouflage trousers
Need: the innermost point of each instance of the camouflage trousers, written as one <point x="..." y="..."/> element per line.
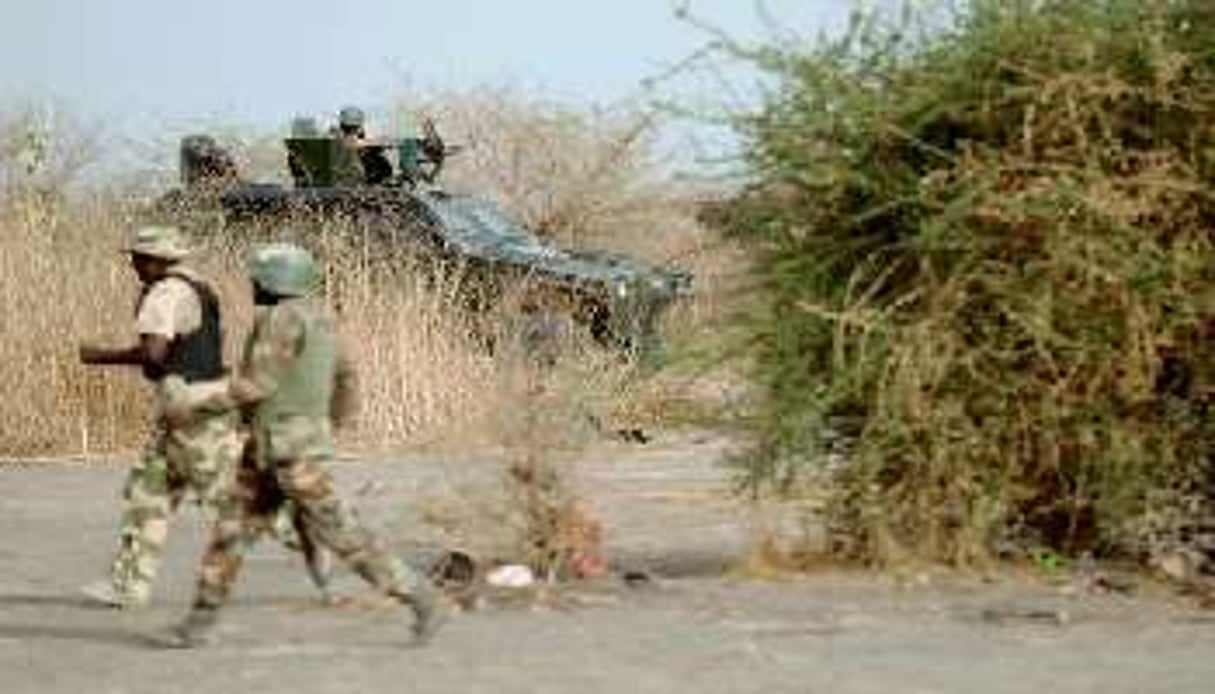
<point x="248" y="508"/>
<point x="198" y="459"/>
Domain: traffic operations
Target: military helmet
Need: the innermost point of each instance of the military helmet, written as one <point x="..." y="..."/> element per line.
<point x="283" y="269"/>
<point x="304" y="126"/>
<point x="164" y="242"/>
<point x="351" y="117"/>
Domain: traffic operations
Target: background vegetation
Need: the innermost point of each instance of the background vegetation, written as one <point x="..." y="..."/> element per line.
<point x="425" y="374"/>
<point x="979" y="247"/>
<point x="982" y="247"/>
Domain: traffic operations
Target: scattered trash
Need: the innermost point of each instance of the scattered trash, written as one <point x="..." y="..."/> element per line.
<point x="637" y="578"/>
<point x="1115" y="583"/>
<point x="632" y="435"/>
<point x="511" y="576"/>
<point x="1206" y="601"/>
<point x="587" y="565"/>
<point x="1180" y="566"/>
<point x="1090" y="578"/>
<point x="580" y="539"/>
<point x="371" y="488"/>
<point x="1049" y="614"/>
<point x="453" y="569"/>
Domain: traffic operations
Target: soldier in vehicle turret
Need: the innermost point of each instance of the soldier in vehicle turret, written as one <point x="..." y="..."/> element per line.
<point x="359" y="161"/>
<point x="205" y="163"/>
<point x="350" y="133"/>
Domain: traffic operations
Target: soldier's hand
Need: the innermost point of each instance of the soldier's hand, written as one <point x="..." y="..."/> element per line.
<point x="243" y="392"/>
<point x="178" y="416"/>
<point x="91" y="354"/>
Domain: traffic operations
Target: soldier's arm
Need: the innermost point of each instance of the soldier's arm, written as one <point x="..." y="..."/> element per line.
<point x="156" y="323"/>
<point x="269" y="357"/>
<point x="150" y="353"/>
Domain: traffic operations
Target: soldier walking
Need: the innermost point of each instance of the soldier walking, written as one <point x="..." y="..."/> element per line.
<point x="194" y="445"/>
<point x="180" y="352"/>
<point x="293" y="387"/>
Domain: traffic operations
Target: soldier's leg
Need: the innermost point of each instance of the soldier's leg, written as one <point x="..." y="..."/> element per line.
<point x="198" y="458"/>
<point x="288" y="528"/>
<point x="239" y="520"/>
<point x="210" y="451"/>
<point x="317" y="557"/>
<point x="143" y="530"/>
<point x="329" y="521"/>
<point x="206" y="455"/>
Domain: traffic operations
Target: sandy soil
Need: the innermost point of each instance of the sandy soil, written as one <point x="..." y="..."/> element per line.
<point x="690" y="630"/>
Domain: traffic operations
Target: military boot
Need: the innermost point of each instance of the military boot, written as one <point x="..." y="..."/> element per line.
<point x="319" y="561"/>
<point x="196" y="630"/>
<point x="104" y="593"/>
<point x="429" y="612"/>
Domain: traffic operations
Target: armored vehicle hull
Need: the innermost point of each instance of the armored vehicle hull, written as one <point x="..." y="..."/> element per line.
<point x="620" y="300"/>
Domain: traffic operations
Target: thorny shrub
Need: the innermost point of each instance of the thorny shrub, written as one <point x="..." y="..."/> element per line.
<point x="985" y="263"/>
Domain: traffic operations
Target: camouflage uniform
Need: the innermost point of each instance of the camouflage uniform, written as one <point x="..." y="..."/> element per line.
<point x="196" y="458"/>
<point x="348" y="161"/>
<point x="194" y="452"/>
<point x="197" y="455"/>
<point x="295" y="383"/>
<point x="348" y="140"/>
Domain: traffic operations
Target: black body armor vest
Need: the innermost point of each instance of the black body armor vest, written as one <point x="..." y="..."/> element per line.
<point x="198" y="355"/>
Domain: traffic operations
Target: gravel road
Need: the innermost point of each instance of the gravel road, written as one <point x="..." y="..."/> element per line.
<point x="692" y="629"/>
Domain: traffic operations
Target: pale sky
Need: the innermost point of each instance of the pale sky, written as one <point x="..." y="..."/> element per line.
<point x="167" y="63"/>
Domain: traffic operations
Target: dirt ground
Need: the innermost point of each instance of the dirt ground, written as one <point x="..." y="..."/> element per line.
<point x="691" y="629"/>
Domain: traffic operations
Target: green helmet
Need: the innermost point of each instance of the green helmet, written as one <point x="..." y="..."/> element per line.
<point x="351" y="117"/>
<point x="283" y="269"/>
<point x="304" y="126"/>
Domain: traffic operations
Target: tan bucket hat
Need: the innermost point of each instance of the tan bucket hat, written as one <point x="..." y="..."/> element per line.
<point x="159" y="242"/>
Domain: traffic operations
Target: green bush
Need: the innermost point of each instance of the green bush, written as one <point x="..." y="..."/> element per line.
<point x="984" y="256"/>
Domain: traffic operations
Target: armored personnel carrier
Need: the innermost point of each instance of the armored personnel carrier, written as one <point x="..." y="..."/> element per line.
<point x="391" y="188"/>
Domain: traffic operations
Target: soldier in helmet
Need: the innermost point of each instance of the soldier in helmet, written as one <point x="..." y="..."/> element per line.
<point x="352" y="122"/>
<point x="359" y="160"/>
<point x="195" y="445"/>
<point x="180" y="353"/>
<point x="350" y="134"/>
<point x="294" y="386"/>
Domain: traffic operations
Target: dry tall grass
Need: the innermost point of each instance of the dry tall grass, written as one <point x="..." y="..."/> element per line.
<point x="62" y="280"/>
<point x="582" y="178"/>
<point x="425" y="374"/>
<point x="596" y="179"/>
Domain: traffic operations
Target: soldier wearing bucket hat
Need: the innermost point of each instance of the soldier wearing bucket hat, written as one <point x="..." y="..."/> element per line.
<point x="294" y="385"/>
<point x="179" y="352"/>
<point x="194" y="445"/>
<point x="163" y="242"/>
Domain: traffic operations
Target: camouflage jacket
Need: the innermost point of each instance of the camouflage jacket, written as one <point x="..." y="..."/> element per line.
<point x="271" y="353"/>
